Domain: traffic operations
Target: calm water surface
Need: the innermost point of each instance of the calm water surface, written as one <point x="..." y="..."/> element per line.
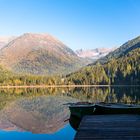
<point x="40" y="114"/>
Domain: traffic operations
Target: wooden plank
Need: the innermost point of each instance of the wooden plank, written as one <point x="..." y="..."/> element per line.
<point x="109" y="127"/>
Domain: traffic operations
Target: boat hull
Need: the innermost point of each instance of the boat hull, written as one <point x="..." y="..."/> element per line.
<point x="100" y="110"/>
<point x="80" y="111"/>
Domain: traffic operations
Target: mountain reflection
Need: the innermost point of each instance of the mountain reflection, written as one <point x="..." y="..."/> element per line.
<point x="45" y="114"/>
<point x="43" y="110"/>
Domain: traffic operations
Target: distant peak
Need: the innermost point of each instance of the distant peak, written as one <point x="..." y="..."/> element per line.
<point x="94" y="53"/>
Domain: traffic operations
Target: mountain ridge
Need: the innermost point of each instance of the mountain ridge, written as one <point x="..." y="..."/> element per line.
<point x="122" y="50"/>
<point x="39" y="54"/>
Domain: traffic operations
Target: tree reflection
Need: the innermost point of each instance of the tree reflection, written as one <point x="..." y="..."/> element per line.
<point x="41" y="110"/>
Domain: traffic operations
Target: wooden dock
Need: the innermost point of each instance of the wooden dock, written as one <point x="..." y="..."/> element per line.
<point x="109" y="127"/>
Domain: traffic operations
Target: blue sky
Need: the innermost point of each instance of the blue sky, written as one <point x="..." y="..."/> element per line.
<point x="79" y="24"/>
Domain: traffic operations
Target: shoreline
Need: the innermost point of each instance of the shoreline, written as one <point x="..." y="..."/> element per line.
<point x="66" y="86"/>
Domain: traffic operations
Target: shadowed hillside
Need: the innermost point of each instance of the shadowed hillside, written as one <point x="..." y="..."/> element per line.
<point x="122" y="50"/>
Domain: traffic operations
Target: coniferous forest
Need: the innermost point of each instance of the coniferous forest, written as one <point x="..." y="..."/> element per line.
<point x="122" y="71"/>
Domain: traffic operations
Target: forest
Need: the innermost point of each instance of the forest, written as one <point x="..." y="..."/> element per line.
<point x="124" y="70"/>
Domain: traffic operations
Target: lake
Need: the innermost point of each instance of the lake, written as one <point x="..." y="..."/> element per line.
<point x="41" y="113"/>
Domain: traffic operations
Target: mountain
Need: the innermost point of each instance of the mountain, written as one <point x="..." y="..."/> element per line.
<point x="5" y="40"/>
<point x="94" y="53"/>
<point x="39" y="54"/>
<point x="122" y="50"/>
<point x="122" y="67"/>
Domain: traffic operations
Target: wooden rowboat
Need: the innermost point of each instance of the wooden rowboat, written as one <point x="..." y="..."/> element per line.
<point x="80" y="110"/>
<point x="116" y="108"/>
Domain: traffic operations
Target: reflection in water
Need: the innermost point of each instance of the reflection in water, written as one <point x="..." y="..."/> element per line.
<point x="45" y="114"/>
<point x="108" y="94"/>
<point x="43" y="110"/>
<point x="74" y="121"/>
